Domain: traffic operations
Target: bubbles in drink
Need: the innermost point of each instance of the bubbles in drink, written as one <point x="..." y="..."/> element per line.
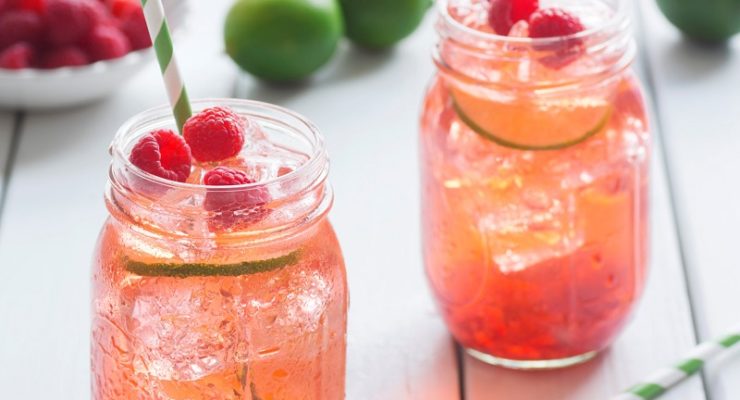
<point x="286" y="305"/>
<point x="182" y="332"/>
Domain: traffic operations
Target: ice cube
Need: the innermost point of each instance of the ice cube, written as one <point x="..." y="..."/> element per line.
<point x="182" y="329"/>
<point x="523" y="233"/>
<point x="286" y="306"/>
<point x="263" y="158"/>
<point x="472" y="13"/>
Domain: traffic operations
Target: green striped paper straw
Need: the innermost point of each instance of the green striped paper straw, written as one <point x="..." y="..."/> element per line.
<point x="162" y="43"/>
<point x="662" y="380"/>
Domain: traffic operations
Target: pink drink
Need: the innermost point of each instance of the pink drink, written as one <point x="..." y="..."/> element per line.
<point x="535" y="186"/>
<point x="253" y="312"/>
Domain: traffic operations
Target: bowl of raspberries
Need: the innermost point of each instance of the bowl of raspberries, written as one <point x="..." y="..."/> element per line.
<point x="59" y="53"/>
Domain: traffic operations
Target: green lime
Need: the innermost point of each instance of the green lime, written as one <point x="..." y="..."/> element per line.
<point x="707" y="20"/>
<point x="523" y="126"/>
<point x="282" y="40"/>
<point x="188" y="270"/>
<point x="382" y="23"/>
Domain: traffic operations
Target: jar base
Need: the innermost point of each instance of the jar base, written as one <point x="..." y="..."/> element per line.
<point x="531" y="364"/>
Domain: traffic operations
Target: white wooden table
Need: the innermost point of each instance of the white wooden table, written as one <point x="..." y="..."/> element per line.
<point x="53" y="167"/>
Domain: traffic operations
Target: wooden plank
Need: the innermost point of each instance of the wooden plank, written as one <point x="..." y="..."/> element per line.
<point x="697" y="91"/>
<point x="55" y="208"/>
<point x="367" y="106"/>
<point x="7" y="127"/>
<point x="661" y="330"/>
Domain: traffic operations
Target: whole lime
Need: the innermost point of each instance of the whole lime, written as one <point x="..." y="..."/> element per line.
<point x="282" y="40"/>
<point x="706" y="20"/>
<point x="382" y="23"/>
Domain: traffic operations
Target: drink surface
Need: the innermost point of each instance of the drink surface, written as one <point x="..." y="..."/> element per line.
<point x="185" y="310"/>
<point x="535" y="202"/>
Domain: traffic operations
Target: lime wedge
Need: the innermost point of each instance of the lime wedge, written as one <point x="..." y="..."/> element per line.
<point x="522" y="127"/>
<point x="197" y="269"/>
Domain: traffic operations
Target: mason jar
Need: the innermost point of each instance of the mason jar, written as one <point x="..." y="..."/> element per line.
<point x="534" y="160"/>
<point x="185" y="307"/>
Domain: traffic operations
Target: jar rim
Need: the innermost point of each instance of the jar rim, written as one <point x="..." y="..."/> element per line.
<point x="615" y="20"/>
<point x="316" y="163"/>
<point x="297" y="199"/>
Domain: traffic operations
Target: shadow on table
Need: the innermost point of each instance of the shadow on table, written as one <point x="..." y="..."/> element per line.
<point x="689" y="60"/>
<point x="349" y="63"/>
<point x="353" y="62"/>
<point x="506" y="384"/>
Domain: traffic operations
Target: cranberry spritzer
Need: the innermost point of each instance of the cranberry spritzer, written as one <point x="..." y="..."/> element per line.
<point x="534" y="154"/>
<point x="218" y="274"/>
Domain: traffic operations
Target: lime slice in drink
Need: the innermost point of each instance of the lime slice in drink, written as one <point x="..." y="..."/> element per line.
<point x="197" y="269"/>
<point x="526" y="125"/>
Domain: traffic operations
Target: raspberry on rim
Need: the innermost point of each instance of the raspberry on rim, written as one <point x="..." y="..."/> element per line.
<point x="163" y="153"/>
<point x="503" y="14"/>
<point x="553" y="22"/>
<point x="215" y="134"/>
<point x="556" y="22"/>
<point x="233" y="209"/>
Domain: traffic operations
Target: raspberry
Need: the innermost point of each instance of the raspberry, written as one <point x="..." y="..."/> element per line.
<point x="214" y="134"/>
<point x="522" y="9"/>
<point x="134" y="27"/>
<point x="503" y="14"/>
<point x="70" y="21"/>
<point x="555" y="22"/>
<point x="37" y="6"/>
<point x="69" y="56"/>
<point x="234" y="209"/>
<point x="107" y="42"/>
<point x="17" y="56"/>
<point x="225" y="176"/>
<point x="98" y="13"/>
<point x="162" y="153"/>
<point x="121" y="8"/>
<point x="20" y="26"/>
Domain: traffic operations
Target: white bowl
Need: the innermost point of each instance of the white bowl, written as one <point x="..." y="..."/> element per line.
<point x="70" y="86"/>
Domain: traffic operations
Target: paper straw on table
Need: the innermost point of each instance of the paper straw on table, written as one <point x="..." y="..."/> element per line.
<point x="162" y="43"/>
<point x="660" y="381"/>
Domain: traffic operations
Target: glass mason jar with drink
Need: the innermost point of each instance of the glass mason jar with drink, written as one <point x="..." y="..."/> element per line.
<point x="220" y="279"/>
<point x="534" y="154"/>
